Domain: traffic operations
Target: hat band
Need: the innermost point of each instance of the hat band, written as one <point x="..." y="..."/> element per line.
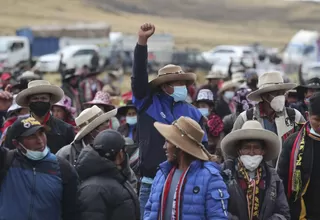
<point x="314" y="84"/>
<point x="179" y="72"/>
<point x="268" y="84"/>
<point x="90" y="120"/>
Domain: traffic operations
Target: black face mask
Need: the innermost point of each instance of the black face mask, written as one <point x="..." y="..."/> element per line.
<point x="39" y="108"/>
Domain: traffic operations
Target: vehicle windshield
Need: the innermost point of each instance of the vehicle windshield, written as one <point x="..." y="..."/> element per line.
<point x="295" y="49"/>
<point x="3" y="46"/>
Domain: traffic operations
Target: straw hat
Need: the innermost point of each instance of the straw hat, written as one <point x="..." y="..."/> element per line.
<point x="269" y="82"/>
<point x="215" y="75"/>
<point x="39" y="87"/>
<point x="228" y="85"/>
<point x="251" y="130"/>
<point x="185" y="134"/>
<point x="91" y="118"/>
<point x="171" y="73"/>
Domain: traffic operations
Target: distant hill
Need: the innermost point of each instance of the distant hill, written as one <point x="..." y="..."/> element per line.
<point x="194" y="23"/>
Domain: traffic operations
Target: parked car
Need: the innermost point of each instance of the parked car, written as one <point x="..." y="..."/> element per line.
<point x="75" y="56"/>
<point x="226" y="52"/>
<point x="191" y="59"/>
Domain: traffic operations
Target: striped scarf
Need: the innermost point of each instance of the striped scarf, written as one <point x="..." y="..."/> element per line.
<point x="176" y="208"/>
<point x="295" y="180"/>
<point x="253" y="191"/>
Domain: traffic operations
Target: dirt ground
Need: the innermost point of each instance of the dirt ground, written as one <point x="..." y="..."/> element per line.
<point x="199" y="24"/>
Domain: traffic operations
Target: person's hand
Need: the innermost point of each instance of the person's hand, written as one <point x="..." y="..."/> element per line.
<point x="146" y="30"/>
<point x="5" y="98"/>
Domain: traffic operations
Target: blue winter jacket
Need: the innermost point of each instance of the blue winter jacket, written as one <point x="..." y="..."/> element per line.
<point x="33" y="190"/>
<point x="154" y="106"/>
<point x="210" y="202"/>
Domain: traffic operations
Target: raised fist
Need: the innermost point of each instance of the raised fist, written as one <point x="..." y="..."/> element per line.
<point x="146" y="30"/>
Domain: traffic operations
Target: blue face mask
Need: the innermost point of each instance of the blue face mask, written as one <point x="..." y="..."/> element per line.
<point x="229" y="95"/>
<point x="131" y="120"/>
<point x="204" y="111"/>
<point x="180" y="93"/>
<point x="35" y="155"/>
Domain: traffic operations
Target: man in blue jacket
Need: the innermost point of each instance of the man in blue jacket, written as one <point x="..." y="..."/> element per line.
<point x="161" y="100"/>
<point x="37" y="185"/>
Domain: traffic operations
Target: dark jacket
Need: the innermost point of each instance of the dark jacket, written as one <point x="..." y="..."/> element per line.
<point x="105" y="192"/>
<point x="154" y="107"/>
<point x="222" y="108"/>
<point x="296" y="208"/>
<point x="58" y="133"/>
<point x="72" y="151"/>
<point x="35" y="190"/>
<point x="274" y="205"/>
<point x="228" y="122"/>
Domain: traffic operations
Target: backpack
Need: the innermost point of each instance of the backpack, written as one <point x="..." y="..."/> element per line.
<point x="7" y="158"/>
<point x="291" y="120"/>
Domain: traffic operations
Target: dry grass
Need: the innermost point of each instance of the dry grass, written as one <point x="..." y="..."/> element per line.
<point x="189" y="33"/>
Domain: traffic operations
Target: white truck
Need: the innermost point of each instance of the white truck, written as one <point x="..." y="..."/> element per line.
<point x="303" y="47"/>
<point x="74" y="56"/>
<point x="14" y="51"/>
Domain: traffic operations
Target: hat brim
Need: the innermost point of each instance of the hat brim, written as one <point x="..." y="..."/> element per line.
<point x="123" y="109"/>
<point x="55" y="92"/>
<point x="95" y="123"/>
<point x="172" y="134"/>
<point x="189" y="77"/>
<point x="273" y="145"/>
<point x="31" y="131"/>
<point x="305" y="87"/>
<point x="256" y="95"/>
<point x="99" y="103"/>
<point x="215" y="77"/>
<point x="230" y="86"/>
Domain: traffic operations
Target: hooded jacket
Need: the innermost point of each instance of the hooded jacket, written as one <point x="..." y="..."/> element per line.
<point x="104" y="192"/>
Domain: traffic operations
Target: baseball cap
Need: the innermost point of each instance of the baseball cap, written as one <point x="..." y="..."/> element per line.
<point x="5" y="76"/>
<point x="109" y="142"/>
<point x="24" y="127"/>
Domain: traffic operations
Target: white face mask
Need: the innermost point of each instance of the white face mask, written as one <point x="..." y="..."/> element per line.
<point x="278" y="102"/>
<point x="251" y="163"/>
<point x="312" y="131"/>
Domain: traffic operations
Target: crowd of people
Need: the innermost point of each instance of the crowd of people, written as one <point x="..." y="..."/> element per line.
<point x="240" y="147"/>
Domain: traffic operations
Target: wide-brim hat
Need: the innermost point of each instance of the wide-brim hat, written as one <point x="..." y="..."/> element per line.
<point x="269" y="82"/>
<point x="123" y="109"/>
<point x="313" y="83"/>
<point x="251" y="130"/>
<point x="215" y="75"/>
<point x="171" y="73"/>
<point x="91" y="118"/>
<point x="29" y="75"/>
<point x="101" y="98"/>
<point x="185" y="134"/>
<point x="228" y="85"/>
<point x="39" y="87"/>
